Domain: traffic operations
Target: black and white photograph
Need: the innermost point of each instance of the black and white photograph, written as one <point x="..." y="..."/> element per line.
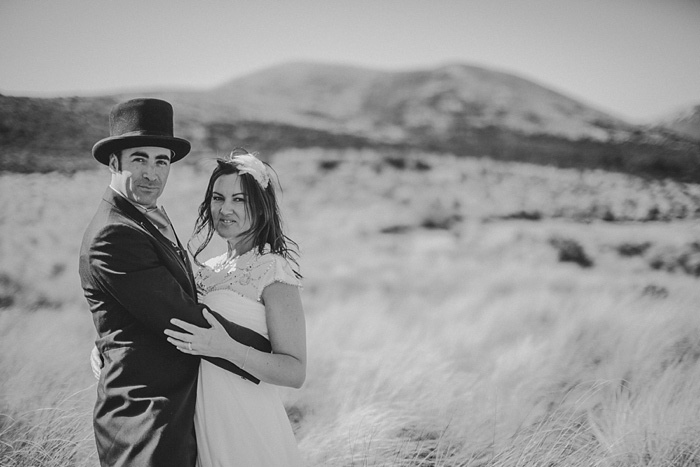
<point x="368" y="233"/>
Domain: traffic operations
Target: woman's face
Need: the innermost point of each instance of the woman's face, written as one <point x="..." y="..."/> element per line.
<point x="228" y="209"/>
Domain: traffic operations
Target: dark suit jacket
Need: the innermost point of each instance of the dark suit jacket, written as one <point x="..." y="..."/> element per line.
<point x="135" y="281"/>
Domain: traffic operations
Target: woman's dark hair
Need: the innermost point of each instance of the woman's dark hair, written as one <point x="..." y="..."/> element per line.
<point x="261" y="207"/>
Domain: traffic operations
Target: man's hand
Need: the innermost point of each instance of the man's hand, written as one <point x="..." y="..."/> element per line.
<point x="211" y="342"/>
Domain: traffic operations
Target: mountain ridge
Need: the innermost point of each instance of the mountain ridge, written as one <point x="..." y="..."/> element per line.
<point x="685" y="121"/>
<point x="457" y="108"/>
<point x="393" y="99"/>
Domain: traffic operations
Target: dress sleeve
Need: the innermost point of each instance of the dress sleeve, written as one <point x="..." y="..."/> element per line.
<point x="278" y="269"/>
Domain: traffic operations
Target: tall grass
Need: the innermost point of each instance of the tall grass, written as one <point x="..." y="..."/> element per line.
<point x="444" y="327"/>
<point x="519" y="367"/>
<point x="46" y="391"/>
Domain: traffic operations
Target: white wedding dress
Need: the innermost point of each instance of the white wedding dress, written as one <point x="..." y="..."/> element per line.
<point x="239" y="423"/>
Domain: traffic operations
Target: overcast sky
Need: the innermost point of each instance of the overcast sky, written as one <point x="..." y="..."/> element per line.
<point x="637" y="59"/>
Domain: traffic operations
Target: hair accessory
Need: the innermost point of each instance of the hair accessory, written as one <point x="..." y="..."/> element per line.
<point x="249" y="164"/>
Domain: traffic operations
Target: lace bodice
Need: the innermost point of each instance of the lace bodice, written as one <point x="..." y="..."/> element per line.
<point x="246" y="275"/>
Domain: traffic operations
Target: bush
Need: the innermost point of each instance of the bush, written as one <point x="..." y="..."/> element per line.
<point x="633" y="249"/>
<point x="684" y="259"/>
<point x="571" y="251"/>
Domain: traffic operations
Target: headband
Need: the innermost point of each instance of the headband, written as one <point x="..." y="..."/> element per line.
<point x="249" y="164"/>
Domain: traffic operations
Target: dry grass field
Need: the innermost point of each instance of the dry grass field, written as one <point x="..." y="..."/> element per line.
<point x="460" y="312"/>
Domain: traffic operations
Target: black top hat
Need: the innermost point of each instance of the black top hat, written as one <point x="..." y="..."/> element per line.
<point x="140" y="122"/>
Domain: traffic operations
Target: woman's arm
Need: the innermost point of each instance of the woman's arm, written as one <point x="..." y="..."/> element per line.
<point x="285" y="366"/>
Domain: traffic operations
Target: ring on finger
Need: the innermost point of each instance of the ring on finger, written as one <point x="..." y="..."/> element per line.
<point x="189" y="346"/>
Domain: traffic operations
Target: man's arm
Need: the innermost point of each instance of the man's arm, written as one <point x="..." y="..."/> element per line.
<point x="126" y="265"/>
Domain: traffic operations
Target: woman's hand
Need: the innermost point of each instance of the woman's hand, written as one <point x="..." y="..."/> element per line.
<point x="212" y="342"/>
<point x="96" y="362"/>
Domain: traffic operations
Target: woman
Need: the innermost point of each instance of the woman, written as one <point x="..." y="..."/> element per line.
<point x="253" y="284"/>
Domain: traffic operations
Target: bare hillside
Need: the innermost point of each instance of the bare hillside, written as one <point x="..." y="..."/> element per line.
<point x="454" y="109"/>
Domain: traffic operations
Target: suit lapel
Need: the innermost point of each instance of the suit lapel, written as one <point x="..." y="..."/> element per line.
<point x="176" y="251"/>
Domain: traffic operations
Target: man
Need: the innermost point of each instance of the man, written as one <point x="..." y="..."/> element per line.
<point x="136" y="277"/>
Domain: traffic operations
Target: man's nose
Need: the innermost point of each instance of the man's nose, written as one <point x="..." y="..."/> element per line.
<point x="150" y="172"/>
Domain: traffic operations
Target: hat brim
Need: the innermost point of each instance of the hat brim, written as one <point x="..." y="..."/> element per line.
<point x="103" y="148"/>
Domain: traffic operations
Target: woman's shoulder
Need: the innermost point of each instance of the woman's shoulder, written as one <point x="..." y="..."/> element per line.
<point x="267" y="258"/>
<point x="274" y="267"/>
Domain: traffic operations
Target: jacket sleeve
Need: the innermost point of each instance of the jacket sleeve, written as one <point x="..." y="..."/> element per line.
<point x="125" y="264"/>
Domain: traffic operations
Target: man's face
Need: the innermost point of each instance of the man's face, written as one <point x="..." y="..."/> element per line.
<point x="144" y="172"/>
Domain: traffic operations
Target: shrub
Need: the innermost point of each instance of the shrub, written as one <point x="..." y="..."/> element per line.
<point x="684" y="259"/>
<point x="633" y="249"/>
<point x="655" y="291"/>
<point x="524" y="215"/>
<point x="571" y="251"/>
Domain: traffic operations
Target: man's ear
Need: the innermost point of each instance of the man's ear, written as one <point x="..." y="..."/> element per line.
<point x="114" y="163"/>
